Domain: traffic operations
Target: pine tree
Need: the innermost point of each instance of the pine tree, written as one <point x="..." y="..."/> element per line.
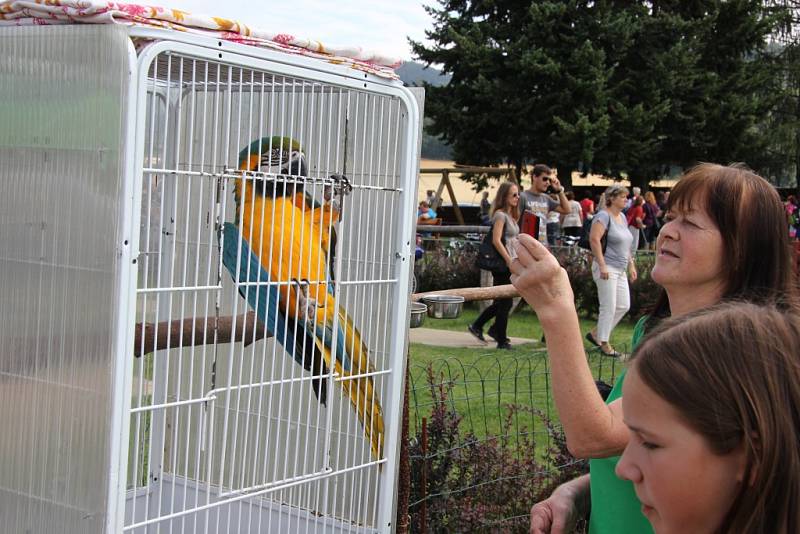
<point x="626" y="88"/>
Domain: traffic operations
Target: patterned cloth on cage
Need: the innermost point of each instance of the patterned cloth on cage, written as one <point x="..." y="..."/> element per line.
<point x="48" y="12"/>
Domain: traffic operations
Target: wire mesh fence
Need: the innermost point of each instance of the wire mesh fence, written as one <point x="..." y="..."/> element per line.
<point x="485" y="442"/>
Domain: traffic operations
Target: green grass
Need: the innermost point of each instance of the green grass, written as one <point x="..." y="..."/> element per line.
<point x="484" y="382"/>
<point x="523" y="323"/>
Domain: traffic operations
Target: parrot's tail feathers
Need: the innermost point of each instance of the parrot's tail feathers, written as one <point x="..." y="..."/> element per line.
<point x="370" y="412"/>
<point x="313" y="361"/>
<point x="353" y="361"/>
<point x="362" y="394"/>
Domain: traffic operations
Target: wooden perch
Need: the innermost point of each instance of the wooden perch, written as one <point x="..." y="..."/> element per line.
<point x="474" y="293"/>
<point x="190" y="332"/>
<point x="203" y="329"/>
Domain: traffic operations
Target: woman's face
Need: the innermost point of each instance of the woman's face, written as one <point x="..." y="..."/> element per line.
<point x="683" y="486"/>
<point x="618" y="201"/>
<point x="689" y="254"/>
<point x="513" y="196"/>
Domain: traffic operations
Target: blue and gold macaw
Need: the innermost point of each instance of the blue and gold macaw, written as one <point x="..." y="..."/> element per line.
<point x="281" y="236"/>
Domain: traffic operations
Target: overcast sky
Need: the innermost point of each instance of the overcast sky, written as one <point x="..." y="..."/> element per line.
<point x="380" y="25"/>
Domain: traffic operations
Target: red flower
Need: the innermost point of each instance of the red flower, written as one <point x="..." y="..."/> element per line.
<point x="283" y="38"/>
<point x="134" y="10"/>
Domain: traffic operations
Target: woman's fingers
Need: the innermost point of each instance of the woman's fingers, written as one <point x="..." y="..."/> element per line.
<point x="533" y="259"/>
<point x="531" y="248"/>
<point x="526" y="254"/>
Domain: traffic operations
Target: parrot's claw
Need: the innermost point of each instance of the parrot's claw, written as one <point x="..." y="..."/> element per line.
<point x="307" y="306"/>
<point x="343" y="186"/>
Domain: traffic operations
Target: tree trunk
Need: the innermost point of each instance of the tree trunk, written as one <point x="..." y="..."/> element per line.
<point x="517" y="176"/>
<point x="565" y="175"/>
<point x="639" y="180"/>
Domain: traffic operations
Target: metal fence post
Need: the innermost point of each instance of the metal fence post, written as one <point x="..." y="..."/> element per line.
<point x="404" y="474"/>
<point x="423" y="519"/>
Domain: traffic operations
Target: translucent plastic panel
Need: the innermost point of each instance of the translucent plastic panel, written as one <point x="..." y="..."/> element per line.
<point x="61" y="128"/>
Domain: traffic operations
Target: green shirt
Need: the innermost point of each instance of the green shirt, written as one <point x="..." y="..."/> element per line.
<point x="615" y="508"/>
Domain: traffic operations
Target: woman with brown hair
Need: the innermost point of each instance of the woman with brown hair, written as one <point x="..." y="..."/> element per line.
<point x="505" y="213"/>
<point x="712" y="402"/>
<point x="725" y="238"/>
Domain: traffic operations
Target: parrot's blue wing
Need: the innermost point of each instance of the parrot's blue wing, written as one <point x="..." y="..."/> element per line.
<point x="326" y="335"/>
<point x="263" y="299"/>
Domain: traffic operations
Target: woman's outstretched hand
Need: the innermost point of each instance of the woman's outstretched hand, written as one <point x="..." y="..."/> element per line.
<point x="540" y="280"/>
<point x="559" y="514"/>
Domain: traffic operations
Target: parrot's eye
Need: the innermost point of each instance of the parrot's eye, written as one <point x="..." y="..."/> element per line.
<point x="274" y="158"/>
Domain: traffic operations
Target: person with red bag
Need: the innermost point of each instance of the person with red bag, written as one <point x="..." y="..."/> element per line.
<point x="535" y="202"/>
<point x="635" y="217"/>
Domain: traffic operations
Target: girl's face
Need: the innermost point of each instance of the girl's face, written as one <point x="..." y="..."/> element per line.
<point x="513" y="196"/>
<point x="682" y="484"/>
<point x="689" y="254"/>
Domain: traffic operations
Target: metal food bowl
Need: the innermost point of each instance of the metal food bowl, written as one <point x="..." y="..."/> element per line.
<point x="418" y="311"/>
<point x="444" y="306"/>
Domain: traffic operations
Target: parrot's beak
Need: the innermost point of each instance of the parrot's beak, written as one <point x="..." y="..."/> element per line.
<point x="298" y="168"/>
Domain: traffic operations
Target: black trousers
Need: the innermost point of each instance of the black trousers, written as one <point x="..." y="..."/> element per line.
<point x="498" y="309"/>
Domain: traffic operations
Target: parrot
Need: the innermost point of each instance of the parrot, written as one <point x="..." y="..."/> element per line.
<point x="283" y="235"/>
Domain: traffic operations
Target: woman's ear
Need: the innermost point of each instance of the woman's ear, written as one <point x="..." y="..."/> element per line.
<point x="745" y="468"/>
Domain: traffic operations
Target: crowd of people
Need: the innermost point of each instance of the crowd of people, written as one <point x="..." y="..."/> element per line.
<point x="699" y="434"/>
<point x="644" y="216"/>
<point x="546" y="211"/>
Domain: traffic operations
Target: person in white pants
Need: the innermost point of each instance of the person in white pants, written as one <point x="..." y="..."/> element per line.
<point x="610" y="267"/>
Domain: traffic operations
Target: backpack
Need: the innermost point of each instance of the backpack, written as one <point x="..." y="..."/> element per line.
<point x="584" y="240"/>
<point x="488" y="258"/>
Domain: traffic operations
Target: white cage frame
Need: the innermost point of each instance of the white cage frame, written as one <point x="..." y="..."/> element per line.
<point x="372" y="509"/>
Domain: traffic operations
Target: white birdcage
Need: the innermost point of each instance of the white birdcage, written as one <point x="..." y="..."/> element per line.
<point x="140" y="392"/>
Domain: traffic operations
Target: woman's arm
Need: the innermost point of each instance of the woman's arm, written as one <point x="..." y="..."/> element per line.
<point x="595" y="235"/>
<point x="497" y="238"/>
<point x="593" y="429"/>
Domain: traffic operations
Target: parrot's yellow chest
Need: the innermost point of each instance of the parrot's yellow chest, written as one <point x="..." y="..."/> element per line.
<point x="287" y="240"/>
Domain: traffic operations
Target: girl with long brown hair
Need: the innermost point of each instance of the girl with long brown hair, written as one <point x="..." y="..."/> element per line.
<point x="505" y="213"/>
<point x="712" y="401"/>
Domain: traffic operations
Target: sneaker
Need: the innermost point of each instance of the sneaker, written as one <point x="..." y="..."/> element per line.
<point x="505" y="345"/>
<point x="476" y="332"/>
<point x="492" y="333"/>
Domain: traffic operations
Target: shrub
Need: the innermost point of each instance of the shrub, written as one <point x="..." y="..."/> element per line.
<point x="644" y="291"/>
<point x="447" y="267"/>
<point x="484" y="485"/>
<point x="453" y="266"/>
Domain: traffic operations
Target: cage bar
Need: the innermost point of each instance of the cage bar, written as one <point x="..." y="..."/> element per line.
<point x="165" y="221"/>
